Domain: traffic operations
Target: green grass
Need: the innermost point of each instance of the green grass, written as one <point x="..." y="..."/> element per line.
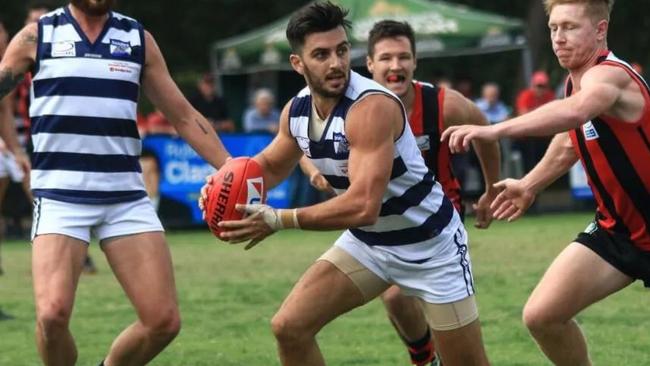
<point x="228" y="297"/>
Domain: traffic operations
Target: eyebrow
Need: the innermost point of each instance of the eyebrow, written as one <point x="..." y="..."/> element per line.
<point x="318" y="49"/>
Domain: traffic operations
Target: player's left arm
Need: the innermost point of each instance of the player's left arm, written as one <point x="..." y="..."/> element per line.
<point x="165" y="95"/>
<point x="601" y="89"/>
<point x="457" y="111"/>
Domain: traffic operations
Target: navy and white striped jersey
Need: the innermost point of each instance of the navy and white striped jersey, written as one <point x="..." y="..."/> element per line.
<point x="83" y="109"/>
<point x="415" y="213"/>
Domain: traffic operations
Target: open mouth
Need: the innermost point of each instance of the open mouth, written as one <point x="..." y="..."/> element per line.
<point x="395" y="78"/>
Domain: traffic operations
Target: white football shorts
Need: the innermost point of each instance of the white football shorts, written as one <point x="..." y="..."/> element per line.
<point x="80" y="221"/>
<point x="444" y="277"/>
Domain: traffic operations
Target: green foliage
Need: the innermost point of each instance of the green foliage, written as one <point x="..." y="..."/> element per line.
<point x="228" y="296"/>
<point x="186" y="29"/>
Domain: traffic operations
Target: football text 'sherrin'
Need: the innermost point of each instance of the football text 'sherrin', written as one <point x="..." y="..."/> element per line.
<point x="222" y="199"/>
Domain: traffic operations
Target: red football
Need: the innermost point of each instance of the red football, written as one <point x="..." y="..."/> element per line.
<point x="239" y="180"/>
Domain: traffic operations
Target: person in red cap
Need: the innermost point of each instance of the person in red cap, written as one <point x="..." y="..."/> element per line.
<point x="538" y="94"/>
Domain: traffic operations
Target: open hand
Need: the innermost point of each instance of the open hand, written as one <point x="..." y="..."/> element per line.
<point x="461" y="136"/>
<point x="513" y="200"/>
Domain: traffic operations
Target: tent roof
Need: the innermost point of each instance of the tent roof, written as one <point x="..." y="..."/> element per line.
<point x="442" y="29"/>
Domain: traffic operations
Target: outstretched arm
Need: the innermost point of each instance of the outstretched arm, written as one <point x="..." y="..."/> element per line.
<point x="517" y="195"/>
<point x="601" y="89"/>
<point x="164" y="94"/>
<point x="459" y="110"/>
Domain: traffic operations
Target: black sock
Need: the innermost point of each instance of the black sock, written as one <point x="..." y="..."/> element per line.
<point x="421" y="350"/>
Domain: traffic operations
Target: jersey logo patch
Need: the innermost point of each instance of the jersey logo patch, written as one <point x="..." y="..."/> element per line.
<point x="64" y="49"/>
<point x="303" y="143"/>
<point x="340" y="143"/>
<point x="424" y="142"/>
<point x="120" y="48"/>
<point x="589" y="131"/>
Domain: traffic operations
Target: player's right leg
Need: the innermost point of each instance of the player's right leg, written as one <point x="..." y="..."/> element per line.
<point x="442" y="280"/>
<point x="406" y="316"/>
<point x="334" y="285"/>
<point x="60" y="236"/>
<point x="56" y="265"/>
<point x="457" y="332"/>
<point x="577" y="278"/>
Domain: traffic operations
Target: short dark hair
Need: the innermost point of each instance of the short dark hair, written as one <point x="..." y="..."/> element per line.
<point x="390" y="29"/>
<point x="317" y="17"/>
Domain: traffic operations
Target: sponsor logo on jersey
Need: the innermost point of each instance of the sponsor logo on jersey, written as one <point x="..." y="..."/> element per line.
<point x="589" y="131"/>
<point x="424" y="142"/>
<point x="120" y="48"/>
<point x="64" y="49"/>
<point x="121" y="67"/>
<point x="255" y="187"/>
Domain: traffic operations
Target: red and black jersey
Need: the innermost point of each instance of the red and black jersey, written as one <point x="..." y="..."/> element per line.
<point x="615" y="155"/>
<point x="427" y="122"/>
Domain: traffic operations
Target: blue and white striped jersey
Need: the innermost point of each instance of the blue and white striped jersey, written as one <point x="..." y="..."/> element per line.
<point x="83" y="109"/>
<point x="415" y="213"/>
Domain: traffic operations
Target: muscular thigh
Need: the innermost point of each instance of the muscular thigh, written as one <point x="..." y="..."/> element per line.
<point x="142" y="264"/>
<point x="57" y="261"/>
<point x="327" y="290"/>
<point x="577" y="278"/>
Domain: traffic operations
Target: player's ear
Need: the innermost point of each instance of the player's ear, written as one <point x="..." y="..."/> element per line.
<point x="296" y="63"/>
<point x="369" y="64"/>
<point x="601" y="30"/>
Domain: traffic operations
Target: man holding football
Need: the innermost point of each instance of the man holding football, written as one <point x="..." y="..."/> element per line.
<point x="402" y="229"/>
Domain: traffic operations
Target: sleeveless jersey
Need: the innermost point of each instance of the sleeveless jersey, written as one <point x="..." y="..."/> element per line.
<point x="427" y="122"/>
<point x="615" y="155"/>
<point x="83" y="109"/>
<point x="415" y="213"/>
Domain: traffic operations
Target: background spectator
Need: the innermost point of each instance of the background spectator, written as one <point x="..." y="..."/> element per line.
<point x="211" y="105"/>
<point x="533" y="148"/>
<point x="262" y="116"/>
<point x="537" y="94"/>
<point x="492" y="107"/>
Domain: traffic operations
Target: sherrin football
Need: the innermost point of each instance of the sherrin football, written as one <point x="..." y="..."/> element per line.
<point x="239" y="181"/>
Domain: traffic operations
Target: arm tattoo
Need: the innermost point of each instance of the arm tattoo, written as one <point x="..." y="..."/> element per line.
<point x="29" y="38"/>
<point x="198" y="122"/>
<point x="8" y="81"/>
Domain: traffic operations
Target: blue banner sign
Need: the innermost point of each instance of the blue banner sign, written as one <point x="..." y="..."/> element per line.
<point x="579" y="185"/>
<point x="183" y="172"/>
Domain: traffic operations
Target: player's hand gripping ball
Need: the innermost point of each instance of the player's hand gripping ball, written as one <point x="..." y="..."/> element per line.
<point x="239" y="181"/>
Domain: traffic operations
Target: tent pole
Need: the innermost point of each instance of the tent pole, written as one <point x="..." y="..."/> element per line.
<point x="527" y="63"/>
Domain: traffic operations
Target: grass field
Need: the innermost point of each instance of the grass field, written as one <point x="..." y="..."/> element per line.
<point x="228" y="297"/>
